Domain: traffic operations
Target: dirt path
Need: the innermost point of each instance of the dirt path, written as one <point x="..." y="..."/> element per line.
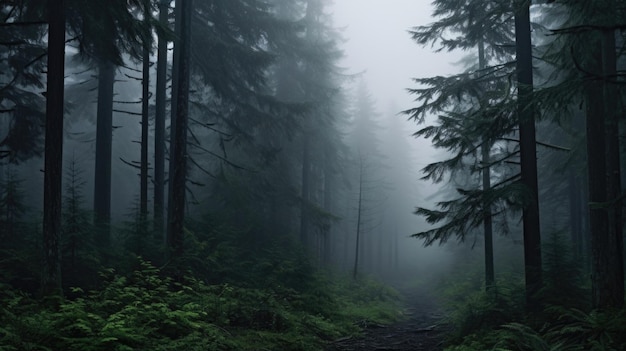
<point x="418" y="331"/>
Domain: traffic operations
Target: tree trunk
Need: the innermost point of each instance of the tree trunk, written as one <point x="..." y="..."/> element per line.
<point x="304" y="207"/>
<point x="173" y="112"/>
<point x="575" y="215"/>
<point x="53" y="164"/>
<point x="177" y="199"/>
<point x="159" y="125"/>
<point x="596" y="166"/>
<point x="145" y="115"/>
<point x="328" y="207"/>
<point x="143" y="192"/>
<point x="104" y="137"/>
<point x="486" y="173"/>
<point x="608" y="281"/>
<point x="528" y="154"/>
<point x="488" y="225"/>
<point x="358" y="222"/>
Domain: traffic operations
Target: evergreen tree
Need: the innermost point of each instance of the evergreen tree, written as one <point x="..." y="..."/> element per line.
<point x="365" y="146"/>
<point x="474" y="105"/>
<point x="105" y="31"/>
<point x="79" y="265"/>
<point x="229" y="67"/>
<point x="483" y="109"/>
<point x="299" y="99"/>
<point x="400" y="185"/>
<point x="587" y="74"/>
<point x="22" y="59"/>
<point x="12" y="207"/>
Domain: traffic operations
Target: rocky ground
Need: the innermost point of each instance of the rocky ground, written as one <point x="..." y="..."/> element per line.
<point x="421" y="329"/>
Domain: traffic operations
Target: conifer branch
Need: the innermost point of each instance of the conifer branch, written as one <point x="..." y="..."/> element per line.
<point x="210" y="126"/>
<point x="128" y="112"/>
<point x="583" y="28"/>
<point x="544" y="144"/>
<point x="132" y="164"/>
<point x="223" y="159"/>
<point x="190" y="158"/>
<point x="24" y="23"/>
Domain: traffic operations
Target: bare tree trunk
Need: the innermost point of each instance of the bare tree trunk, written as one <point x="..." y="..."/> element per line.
<point x="328" y="206"/>
<point x="575" y="209"/>
<point x="487" y="222"/>
<point x="358" y="222"/>
<point x="143" y="193"/>
<point x="304" y="209"/>
<point x="608" y="275"/>
<point x="177" y="199"/>
<point x="173" y="112"/>
<point x="159" y="125"/>
<point x="486" y="173"/>
<point x="53" y="164"/>
<point x="528" y="154"/>
<point x="104" y="142"/>
<point x="596" y="166"/>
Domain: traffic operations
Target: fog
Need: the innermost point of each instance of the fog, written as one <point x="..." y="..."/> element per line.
<point x="285" y="174"/>
<point x="379" y="48"/>
<point x="378" y="54"/>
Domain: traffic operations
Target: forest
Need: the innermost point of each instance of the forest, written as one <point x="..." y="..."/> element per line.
<point x="211" y="175"/>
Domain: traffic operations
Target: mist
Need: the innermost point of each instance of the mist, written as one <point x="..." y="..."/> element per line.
<point x="310" y="174"/>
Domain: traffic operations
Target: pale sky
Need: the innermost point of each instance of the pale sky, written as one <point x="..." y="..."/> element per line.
<point x="378" y="42"/>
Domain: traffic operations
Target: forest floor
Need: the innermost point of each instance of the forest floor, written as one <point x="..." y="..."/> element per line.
<point x="419" y="329"/>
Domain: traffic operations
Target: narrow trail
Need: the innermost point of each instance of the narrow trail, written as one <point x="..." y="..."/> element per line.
<point x="420" y="329"/>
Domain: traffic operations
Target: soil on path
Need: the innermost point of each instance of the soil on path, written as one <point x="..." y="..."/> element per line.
<point x="420" y="329"/>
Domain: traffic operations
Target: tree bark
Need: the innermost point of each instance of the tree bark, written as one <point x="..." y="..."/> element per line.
<point x="528" y="154"/>
<point x="328" y="207"/>
<point x="104" y="141"/>
<point x="596" y="164"/>
<point x="304" y="207"/>
<point x="358" y="222"/>
<point x="145" y="84"/>
<point x="608" y="277"/>
<point x="159" y="125"/>
<point x="487" y="222"/>
<point x="173" y="112"/>
<point x="486" y="175"/>
<point x="53" y="164"/>
<point x="575" y="200"/>
<point x="177" y="199"/>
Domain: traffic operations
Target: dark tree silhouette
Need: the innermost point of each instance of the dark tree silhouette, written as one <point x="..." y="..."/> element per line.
<point x="178" y="178"/>
<point x="528" y="152"/>
<point x="53" y="167"/>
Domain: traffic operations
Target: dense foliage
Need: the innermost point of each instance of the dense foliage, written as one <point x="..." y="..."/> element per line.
<point x="495" y="320"/>
<point x="552" y="107"/>
<point x="256" y="144"/>
<point x="147" y="310"/>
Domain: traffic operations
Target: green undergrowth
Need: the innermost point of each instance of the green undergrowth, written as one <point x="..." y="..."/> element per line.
<point x="146" y="310"/>
<point x="497" y="321"/>
<point x="480" y="321"/>
<point x="573" y="330"/>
